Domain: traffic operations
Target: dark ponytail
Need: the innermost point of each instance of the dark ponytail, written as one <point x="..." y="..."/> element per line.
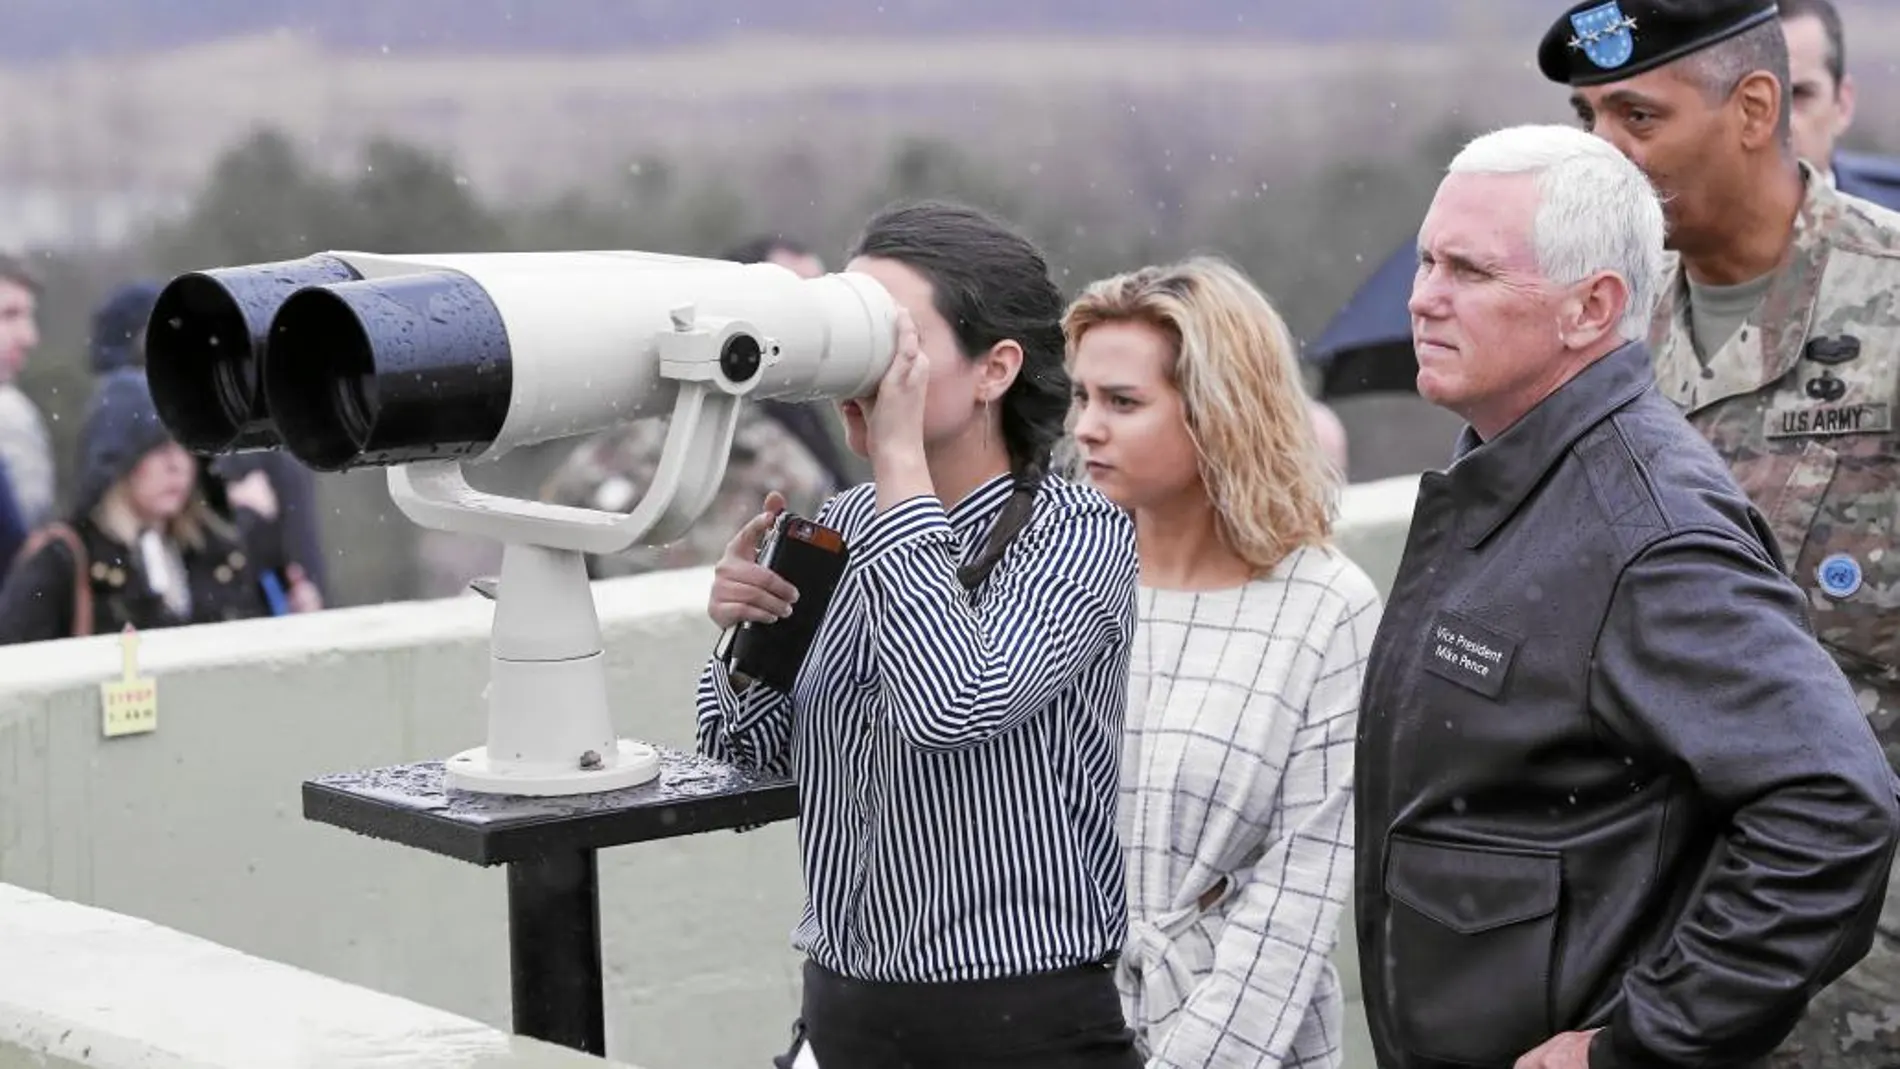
<point x="991" y="285"/>
<point x="1015" y="516"/>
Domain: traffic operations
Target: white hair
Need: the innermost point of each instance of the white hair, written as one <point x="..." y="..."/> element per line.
<point x="1596" y="211"/>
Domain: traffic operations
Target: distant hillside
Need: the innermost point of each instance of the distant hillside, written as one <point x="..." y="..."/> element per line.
<point x="48" y="29"/>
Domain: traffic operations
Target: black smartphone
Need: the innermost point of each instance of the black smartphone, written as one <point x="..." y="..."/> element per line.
<point x="812" y="558"/>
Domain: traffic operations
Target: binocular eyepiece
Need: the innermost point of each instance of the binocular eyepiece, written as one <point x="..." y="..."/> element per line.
<point x="351" y="360"/>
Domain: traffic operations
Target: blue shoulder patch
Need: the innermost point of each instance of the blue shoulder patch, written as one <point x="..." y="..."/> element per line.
<point x="1840" y="576"/>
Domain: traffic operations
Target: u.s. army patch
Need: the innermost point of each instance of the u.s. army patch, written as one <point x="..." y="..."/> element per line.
<point x="1801" y="421"/>
<point x="1604" y="34"/>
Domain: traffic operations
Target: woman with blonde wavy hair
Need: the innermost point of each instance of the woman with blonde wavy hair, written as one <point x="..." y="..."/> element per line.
<point x="1235" y="807"/>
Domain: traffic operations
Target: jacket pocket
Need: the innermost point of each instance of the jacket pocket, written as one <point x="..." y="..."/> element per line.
<point x="1790" y="488"/>
<point x="1471" y="939"/>
<point x="1837" y="507"/>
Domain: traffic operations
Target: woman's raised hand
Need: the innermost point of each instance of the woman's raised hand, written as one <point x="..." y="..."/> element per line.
<point x="895" y="424"/>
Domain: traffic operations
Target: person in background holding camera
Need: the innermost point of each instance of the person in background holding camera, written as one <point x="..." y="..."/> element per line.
<point x="1236" y="797"/>
<point x="144" y="547"/>
<point x="954" y="730"/>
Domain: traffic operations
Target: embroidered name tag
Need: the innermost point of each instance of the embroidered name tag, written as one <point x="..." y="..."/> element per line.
<point x="1468" y="653"/>
<point x="1866" y="418"/>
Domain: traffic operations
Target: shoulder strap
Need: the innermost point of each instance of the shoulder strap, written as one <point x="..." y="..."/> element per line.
<point x="82" y="582"/>
<point x="1010" y="523"/>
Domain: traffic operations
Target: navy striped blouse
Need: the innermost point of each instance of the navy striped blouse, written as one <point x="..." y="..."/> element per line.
<point x="956" y="758"/>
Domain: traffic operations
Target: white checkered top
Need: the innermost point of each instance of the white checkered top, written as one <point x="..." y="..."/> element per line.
<point x="1237" y="775"/>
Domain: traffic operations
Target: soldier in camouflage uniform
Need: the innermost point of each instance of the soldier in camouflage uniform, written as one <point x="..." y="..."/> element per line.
<point x="612" y="471"/>
<point x="1780" y="340"/>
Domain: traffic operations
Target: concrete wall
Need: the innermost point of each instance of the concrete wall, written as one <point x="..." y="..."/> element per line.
<point x="198" y="826"/>
<point x="85" y="987"/>
<point x="1395" y="433"/>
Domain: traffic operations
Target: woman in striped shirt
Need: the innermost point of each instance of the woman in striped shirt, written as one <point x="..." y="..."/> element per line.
<point x="954" y="730"/>
<point x="1235" y="806"/>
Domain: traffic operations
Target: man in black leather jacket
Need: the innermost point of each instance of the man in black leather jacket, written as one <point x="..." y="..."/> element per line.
<point x="1616" y="806"/>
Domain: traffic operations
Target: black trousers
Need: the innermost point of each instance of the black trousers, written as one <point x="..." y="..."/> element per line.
<point x="1070" y="1019"/>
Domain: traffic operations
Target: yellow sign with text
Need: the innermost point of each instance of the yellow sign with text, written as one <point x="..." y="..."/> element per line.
<point x="131" y="701"/>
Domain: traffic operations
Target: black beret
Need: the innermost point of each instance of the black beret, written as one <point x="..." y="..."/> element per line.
<point x="1601" y="41"/>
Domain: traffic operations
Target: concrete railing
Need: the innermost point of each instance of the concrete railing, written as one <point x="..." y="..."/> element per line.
<point x="85" y="987"/>
<point x="197" y="826"/>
